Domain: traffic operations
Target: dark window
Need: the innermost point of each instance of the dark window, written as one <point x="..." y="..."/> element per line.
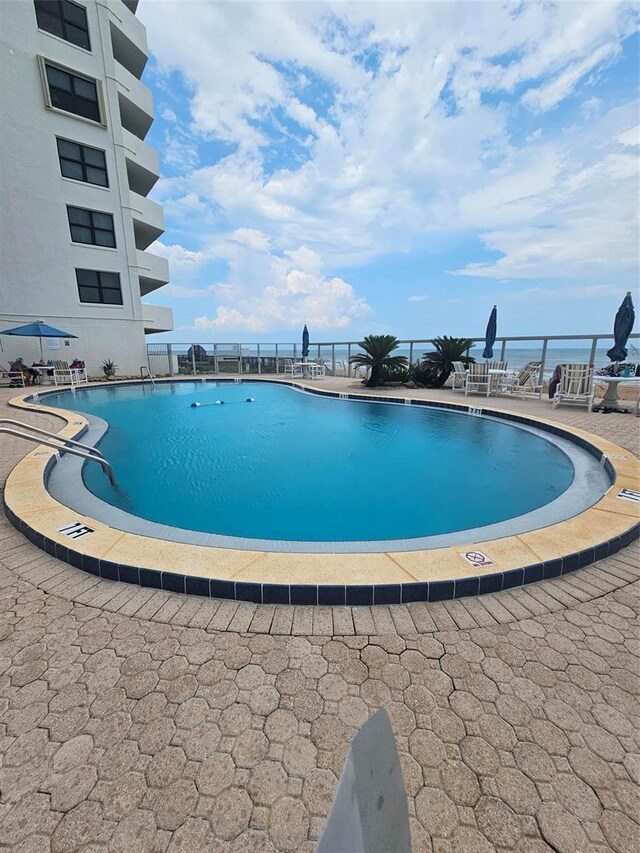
<point x="90" y="226"/>
<point x="82" y="163"/>
<point x="73" y="94"/>
<point x="96" y="286"/>
<point x="64" y="19"/>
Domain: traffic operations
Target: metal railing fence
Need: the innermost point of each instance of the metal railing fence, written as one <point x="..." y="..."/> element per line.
<point x="200" y="359"/>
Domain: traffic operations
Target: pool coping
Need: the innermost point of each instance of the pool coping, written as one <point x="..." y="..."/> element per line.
<point x="324" y="578"/>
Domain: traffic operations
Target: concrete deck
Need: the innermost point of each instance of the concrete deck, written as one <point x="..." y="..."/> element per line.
<point x="137" y="720"/>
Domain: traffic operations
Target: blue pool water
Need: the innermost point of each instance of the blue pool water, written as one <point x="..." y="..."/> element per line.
<point x="296" y="466"/>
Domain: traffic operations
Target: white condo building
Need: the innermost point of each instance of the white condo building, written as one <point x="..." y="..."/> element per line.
<point x="74" y="177"/>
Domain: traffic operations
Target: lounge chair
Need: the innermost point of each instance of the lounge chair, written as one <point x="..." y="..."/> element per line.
<point x="15" y="377"/>
<point x="526" y="381"/>
<point x="477" y="379"/>
<point x="458" y="376"/>
<point x="575" y="385"/>
<point x="65" y="375"/>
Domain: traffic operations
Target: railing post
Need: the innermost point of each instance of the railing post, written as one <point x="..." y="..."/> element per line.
<point x="259" y="365"/>
<point x="333" y="359"/>
<point x="503" y="350"/>
<point x="215" y="358"/>
<point x="349" y="360"/>
<point x="410" y="353"/>
<point x="193" y="358"/>
<point x="277" y="362"/>
<point x="170" y="357"/>
<point x="545" y="341"/>
<point x="239" y="358"/>
<point x="295" y="351"/>
<point x="592" y="354"/>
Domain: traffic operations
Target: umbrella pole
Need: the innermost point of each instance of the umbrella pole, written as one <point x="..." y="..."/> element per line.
<point x="41" y="355"/>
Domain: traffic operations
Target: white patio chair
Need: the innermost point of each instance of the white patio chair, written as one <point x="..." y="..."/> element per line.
<point x="526" y="381"/>
<point x="477" y="379"/>
<point x="65" y="375"/>
<point x="575" y="386"/>
<point x="458" y="376"/>
<point x="292" y="369"/>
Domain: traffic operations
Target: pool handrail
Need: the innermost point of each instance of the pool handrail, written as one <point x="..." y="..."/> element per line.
<point x="91" y="454"/>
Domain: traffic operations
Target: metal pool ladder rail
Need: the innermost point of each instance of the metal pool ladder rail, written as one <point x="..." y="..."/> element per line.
<point x="144" y="369"/>
<point x="69" y="445"/>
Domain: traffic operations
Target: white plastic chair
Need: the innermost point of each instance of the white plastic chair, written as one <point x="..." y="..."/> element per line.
<point x="477" y="379"/>
<point x="458" y="376"/>
<point x="68" y="375"/>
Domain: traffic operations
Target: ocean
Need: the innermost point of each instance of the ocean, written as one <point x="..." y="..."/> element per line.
<point x="515" y="357"/>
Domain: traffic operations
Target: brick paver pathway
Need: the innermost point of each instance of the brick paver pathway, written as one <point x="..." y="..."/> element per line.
<point x="134" y="720"/>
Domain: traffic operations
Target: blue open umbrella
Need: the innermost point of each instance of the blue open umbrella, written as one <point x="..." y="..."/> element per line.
<point x="490" y="334"/>
<point x="305" y="341"/>
<point x="37" y="330"/>
<point x="622" y="328"/>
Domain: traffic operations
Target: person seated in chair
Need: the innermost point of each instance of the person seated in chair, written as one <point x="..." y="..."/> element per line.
<point x="29" y="375"/>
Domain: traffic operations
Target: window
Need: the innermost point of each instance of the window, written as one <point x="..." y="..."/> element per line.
<point x="73" y="94"/>
<point x="91" y="226"/>
<point x="64" y="19"/>
<point x="82" y="163"/>
<point x="102" y="287"/>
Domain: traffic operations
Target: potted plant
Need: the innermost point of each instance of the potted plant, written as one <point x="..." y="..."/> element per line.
<point x="109" y="369"/>
<point x="377" y="356"/>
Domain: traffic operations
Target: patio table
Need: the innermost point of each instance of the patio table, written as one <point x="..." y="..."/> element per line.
<point x="610" y="399"/>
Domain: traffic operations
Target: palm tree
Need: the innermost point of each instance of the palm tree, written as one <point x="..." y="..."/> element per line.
<point x="439" y="363"/>
<point x="377" y="354"/>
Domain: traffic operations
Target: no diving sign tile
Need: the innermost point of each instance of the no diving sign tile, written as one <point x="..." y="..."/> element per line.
<point x="477" y="559"/>
<point x="629" y="495"/>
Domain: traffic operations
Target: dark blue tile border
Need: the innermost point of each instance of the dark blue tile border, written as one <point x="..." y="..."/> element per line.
<point x="360" y="596"/>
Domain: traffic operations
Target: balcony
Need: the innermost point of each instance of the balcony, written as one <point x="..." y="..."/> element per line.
<point x="148" y="219"/>
<point x="143" y="169"/>
<point x="153" y="271"/>
<point x="156" y="319"/>
<point x="128" y="38"/>
<point x="135" y="102"/>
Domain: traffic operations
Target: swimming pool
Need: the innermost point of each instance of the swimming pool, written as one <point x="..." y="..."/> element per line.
<point x="292" y="470"/>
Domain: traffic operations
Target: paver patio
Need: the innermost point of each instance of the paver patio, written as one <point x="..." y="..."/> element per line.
<point x="136" y="720"/>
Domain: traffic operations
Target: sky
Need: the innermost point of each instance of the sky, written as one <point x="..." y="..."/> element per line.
<point x="394" y="167"/>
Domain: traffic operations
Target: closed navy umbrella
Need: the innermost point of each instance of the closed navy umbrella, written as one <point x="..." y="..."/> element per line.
<point x="622" y="328"/>
<point x="37" y="330"/>
<point x="305" y="341"/>
<point x="490" y="334"/>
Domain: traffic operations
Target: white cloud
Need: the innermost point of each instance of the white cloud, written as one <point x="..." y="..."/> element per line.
<point x="179" y="292"/>
<point x="591" y="108"/>
<point x="418" y="298"/>
<point x="549" y="96"/>
<point x="266" y="292"/>
<point x="593" y="291"/>
<point x="630" y="137"/>
<point x="181" y="261"/>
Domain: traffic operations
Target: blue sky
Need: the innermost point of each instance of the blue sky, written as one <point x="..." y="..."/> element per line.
<point x="394" y="167"/>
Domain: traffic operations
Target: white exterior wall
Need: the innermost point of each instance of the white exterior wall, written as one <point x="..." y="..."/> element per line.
<point x="37" y="257"/>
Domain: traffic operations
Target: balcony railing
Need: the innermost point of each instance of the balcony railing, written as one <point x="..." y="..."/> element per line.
<point x="148" y="219"/>
<point x="269" y="358"/>
<point x="143" y="169"/>
<point x="135" y="101"/>
<point x="153" y="271"/>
